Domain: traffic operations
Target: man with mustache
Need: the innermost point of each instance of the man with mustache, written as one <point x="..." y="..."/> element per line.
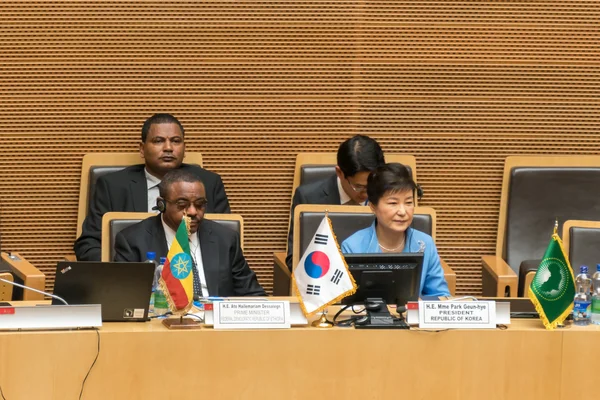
<point x="135" y="188"/>
<point x="215" y="249"/>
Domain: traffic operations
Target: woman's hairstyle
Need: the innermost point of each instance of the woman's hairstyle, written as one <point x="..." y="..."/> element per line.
<point x="390" y="178"/>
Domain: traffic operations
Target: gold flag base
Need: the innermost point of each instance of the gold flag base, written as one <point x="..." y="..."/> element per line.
<point x="181" y="323"/>
<point x="322" y="322"/>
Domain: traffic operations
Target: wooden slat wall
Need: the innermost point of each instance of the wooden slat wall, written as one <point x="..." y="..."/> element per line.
<point x="459" y="84"/>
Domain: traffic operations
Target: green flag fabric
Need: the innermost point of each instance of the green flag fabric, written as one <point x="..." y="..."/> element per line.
<point x="553" y="289"/>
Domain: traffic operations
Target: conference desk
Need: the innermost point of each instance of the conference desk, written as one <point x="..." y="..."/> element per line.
<point x="147" y="361"/>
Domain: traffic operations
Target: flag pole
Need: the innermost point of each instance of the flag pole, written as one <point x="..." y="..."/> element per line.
<point x="322" y="322"/>
<point x="556" y="226"/>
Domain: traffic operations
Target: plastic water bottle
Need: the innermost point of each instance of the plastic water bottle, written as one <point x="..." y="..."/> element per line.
<point x="160" y="301"/>
<point x="583" y="299"/>
<point x="151" y="258"/>
<point x="596" y="296"/>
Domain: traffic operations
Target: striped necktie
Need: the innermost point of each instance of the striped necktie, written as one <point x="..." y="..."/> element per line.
<point x="197" y="282"/>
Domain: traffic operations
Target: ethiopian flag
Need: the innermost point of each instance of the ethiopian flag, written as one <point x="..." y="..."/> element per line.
<point x="177" y="280"/>
<point x="553" y="289"/>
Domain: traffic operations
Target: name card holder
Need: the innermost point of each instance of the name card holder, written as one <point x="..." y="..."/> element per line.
<point x="296" y="316"/>
<point x="251" y="314"/>
<point x="458" y="314"/>
<point x="51" y="317"/>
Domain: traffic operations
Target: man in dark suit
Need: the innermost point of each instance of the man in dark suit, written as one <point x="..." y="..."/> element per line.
<point x="356" y="158"/>
<point x="217" y="256"/>
<point x="135" y="188"/>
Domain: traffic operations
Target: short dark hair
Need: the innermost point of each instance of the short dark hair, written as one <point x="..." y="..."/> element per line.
<point x="159" y="119"/>
<point x="360" y="153"/>
<point x="392" y="177"/>
<point x="174" y="176"/>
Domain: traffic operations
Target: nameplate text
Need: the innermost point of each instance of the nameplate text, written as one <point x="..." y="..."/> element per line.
<point x="457" y="314"/>
<point x="251" y="314"/>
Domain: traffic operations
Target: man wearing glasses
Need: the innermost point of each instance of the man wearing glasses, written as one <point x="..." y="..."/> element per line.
<point x="356" y="158"/>
<point x="220" y="266"/>
<point x="135" y="188"/>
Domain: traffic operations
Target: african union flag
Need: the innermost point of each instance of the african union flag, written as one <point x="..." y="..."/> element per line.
<point x="553" y="289"/>
<point x="177" y="280"/>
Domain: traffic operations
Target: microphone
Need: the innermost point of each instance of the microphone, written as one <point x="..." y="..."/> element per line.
<point x="34" y="290"/>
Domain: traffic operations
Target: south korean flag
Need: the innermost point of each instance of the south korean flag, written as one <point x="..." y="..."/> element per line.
<point x="321" y="277"/>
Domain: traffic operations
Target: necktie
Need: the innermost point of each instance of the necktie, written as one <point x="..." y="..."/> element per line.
<point x="197" y="282"/>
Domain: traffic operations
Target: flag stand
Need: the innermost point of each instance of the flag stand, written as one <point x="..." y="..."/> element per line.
<point x="322" y="322"/>
<point x="181" y="323"/>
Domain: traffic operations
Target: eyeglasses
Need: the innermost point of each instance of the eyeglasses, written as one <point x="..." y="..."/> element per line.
<point x="357" y="188"/>
<point x="185" y="204"/>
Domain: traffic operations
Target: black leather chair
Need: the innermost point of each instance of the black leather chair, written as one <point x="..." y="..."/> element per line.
<point x="346" y="223"/>
<point x="346" y="220"/>
<point x="536" y="190"/>
<point x="581" y="239"/>
<point x="312" y="167"/>
<point x="95" y="165"/>
<point x="115" y="222"/>
<point x="310" y="173"/>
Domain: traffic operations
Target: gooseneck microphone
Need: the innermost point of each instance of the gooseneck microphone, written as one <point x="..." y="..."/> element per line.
<point x="34" y="290"/>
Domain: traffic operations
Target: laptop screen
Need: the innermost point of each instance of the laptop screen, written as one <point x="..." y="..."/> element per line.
<point x="123" y="289"/>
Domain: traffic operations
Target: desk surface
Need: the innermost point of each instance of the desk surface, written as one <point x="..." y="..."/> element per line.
<point x="145" y="360"/>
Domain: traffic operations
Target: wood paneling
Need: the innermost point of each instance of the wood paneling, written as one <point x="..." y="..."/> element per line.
<point x="459" y="84"/>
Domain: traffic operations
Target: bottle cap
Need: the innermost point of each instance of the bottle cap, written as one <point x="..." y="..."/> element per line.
<point x="164" y="260"/>
<point x="150" y="255"/>
<point x="583" y="269"/>
<point x="597" y="267"/>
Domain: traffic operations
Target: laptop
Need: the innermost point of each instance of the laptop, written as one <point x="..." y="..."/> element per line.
<point x="123" y="289"/>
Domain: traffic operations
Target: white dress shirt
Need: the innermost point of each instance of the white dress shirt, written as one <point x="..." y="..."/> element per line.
<point x="195" y="252"/>
<point x="344" y="198"/>
<point x="152" y="185"/>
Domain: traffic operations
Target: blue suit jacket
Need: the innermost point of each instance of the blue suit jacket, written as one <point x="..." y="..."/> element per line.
<point x="433" y="282"/>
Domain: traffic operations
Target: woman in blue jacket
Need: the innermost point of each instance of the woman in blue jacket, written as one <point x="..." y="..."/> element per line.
<point x="391" y="192"/>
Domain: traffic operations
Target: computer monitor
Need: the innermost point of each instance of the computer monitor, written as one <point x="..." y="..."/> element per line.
<point x="393" y="277"/>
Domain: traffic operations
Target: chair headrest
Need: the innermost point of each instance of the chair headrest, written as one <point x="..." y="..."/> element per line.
<point x="538" y="195"/>
<point x="231" y="224"/>
<point x="583" y="248"/>
<point x="310" y="173"/>
<point x="117" y="225"/>
<point x="346" y="224"/>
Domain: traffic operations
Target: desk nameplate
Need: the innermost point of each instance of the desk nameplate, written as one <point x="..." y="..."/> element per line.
<point x="251" y="314"/>
<point x="457" y="314"/>
<point x="51" y="317"/>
